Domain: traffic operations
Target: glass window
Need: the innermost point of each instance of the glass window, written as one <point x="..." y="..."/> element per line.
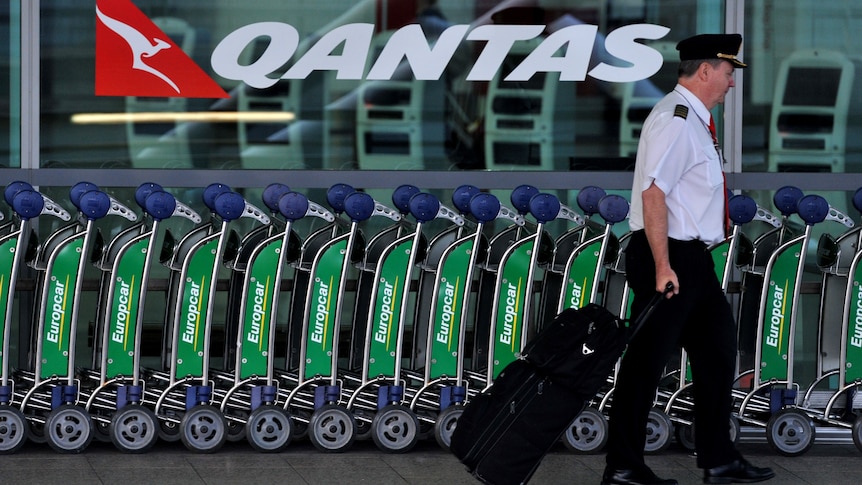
<point x="10" y="97"/>
<point x="802" y="100"/>
<point x="374" y="85"/>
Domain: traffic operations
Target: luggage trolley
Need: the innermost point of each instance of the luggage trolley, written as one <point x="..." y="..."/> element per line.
<point x="183" y="394"/>
<point x="512" y="310"/>
<point x="442" y="313"/>
<point x="53" y="400"/>
<point x="317" y="387"/>
<point x="18" y="236"/>
<point x="115" y="391"/>
<point x="785" y="200"/>
<point x="253" y="396"/>
<point x="224" y="377"/>
<point x="380" y="392"/>
<point x="735" y="251"/>
<point x="832" y="402"/>
<point x="789" y="429"/>
<point x="311" y="253"/>
<point x="499" y="245"/>
<point x="568" y="249"/>
<point x="583" y="276"/>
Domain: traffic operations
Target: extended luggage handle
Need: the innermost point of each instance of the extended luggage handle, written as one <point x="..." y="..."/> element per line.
<point x="636" y="325"/>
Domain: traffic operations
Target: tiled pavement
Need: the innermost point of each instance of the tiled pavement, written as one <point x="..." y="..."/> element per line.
<point x="300" y="463"/>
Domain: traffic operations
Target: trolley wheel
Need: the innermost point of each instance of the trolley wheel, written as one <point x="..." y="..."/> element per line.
<point x="69" y="429"/>
<point x="300" y="427"/>
<point x="269" y="429"/>
<point x="203" y="429"/>
<point x="236" y="430"/>
<point x="363" y="426"/>
<point x="134" y="429"/>
<point x="331" y="428"/>
<point x="684" y="434"/>
<point x="169" y="431"/>
<point x="395" y="429"/>
<point x="36" y="432"/>
<point x="101" y="431"/>
<point x="735" y="429"/>
<point x="445" y="425"/>
<point x="588" y="433"/>
<point x="13" y="430"/>
<point x="790" y="432"/>
<point x="659" y="431"/>
<point x="857" y="432"/>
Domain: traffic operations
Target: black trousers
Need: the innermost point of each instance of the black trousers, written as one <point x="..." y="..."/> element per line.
<point x="700" y="320"/>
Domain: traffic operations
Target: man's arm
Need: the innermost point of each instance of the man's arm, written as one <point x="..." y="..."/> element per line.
<point x="655" y="227"/>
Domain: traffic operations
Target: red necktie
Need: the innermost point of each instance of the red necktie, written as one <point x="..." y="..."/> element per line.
<point x="724" y="178"/>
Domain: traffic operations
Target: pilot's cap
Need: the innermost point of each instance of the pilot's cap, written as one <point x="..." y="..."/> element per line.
<point x="711" y="46"/>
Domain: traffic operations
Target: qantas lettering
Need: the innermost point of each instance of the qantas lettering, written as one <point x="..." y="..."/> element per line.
<point x="429" y="62"/>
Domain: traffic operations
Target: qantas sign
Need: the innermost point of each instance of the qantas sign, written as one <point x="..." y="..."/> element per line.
<point x="162" y="69"/>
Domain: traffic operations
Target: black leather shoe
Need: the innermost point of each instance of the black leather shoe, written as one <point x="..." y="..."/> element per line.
<point x="737" y="471"/>
<point x="632" y="477"/>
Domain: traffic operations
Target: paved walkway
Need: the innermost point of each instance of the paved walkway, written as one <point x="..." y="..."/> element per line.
<point x="300" y="463"/>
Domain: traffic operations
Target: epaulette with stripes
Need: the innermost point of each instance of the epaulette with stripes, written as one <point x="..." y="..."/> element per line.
<point x="681" y="110"/>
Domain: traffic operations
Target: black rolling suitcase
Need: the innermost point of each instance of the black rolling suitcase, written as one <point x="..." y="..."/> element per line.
<point x="505" y="431"/>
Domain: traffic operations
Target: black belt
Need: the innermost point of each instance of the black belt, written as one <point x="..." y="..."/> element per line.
<point x="688" y="244"/>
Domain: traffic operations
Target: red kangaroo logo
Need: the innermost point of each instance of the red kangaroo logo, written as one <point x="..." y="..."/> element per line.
<point x="128" y="68"/>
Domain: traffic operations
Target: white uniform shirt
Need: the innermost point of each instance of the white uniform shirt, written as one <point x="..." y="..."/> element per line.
<point x="678" y="154"/>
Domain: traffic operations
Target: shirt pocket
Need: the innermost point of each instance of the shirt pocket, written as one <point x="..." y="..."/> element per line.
<point x="714" y="174"/>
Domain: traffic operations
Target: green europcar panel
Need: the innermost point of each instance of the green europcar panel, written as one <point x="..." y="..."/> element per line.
<point x="719" y="257"/>
<point x="853" y="364"/>
<point x="259" y="297"/>
<point x="123" y="319"/>
<point x="7" y="258"/>
<point x="514" y="292"/>
<point x="446" y="320"/>
<point x="193" y="311"/>
<point x="582" y="272"/>
<point x="62" y="278"/>
<point x="391" y="291"/>
<point x="323" y="296"/>
<point x="777" y="315"/>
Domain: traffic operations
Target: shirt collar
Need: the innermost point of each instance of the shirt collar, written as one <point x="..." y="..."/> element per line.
<point x="695" y="103"/>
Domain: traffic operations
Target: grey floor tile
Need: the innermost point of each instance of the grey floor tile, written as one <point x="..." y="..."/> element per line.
<point x="149" y="475"/>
